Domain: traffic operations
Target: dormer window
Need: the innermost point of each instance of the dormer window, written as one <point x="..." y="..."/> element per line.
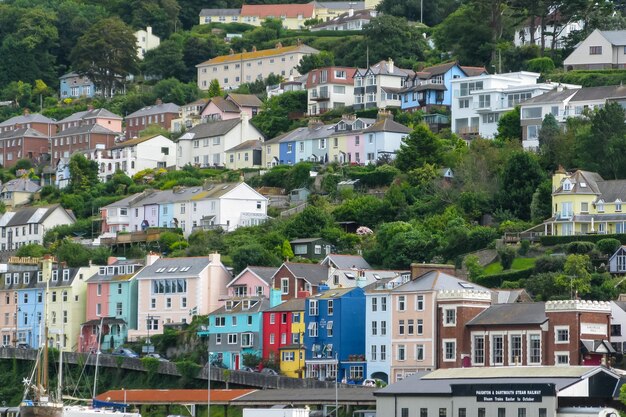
<point x="55" y="275"/>
<point x="618" y="205"/>
<point x="229" y="305"/>
<point x="103" y="270"/>
<point x="567" y="185"/>
<point x="600" y="206"/>
<point x="66" y="275"/>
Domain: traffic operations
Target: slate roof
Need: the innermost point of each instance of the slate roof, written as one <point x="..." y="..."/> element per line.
<point x="304" y="133"/>
<point x="583" y="182"/>
<point x="186" y="194"/>
<point x="27" y="118"/>
<point x="85" y="128"/>
<point x="258" y="304"/>
<point x="313" y="273"/>
<point x="30" y="215"/>
<point x="511" y="314"/>
<point x="340" y="5"/>
<point x="156" y="109"/>
<point x="264" y="11"/>
<point x="615" y="37"/>
<point x="345" y="17"/>
<point x="295" y="304"/>
<point x="22" y="132"/>
<point x="265" y="273"/>
<point x="347" y="261"/>
<point x="90" y="114"/>
<point x="473" y="71"/>
<point x="383" y="69"/>
<point x="245" y="100"/>
<point x="125" y="202"/>
<point x="334" y="293"/>
<point x="612" y="190"/>
<point x="207" y="130"/>
<point x="264" y="53"/>
<point x="606" y="92"/>
<point x="387" y="125"/>
<point x="553" y="96"/>
<point x="437" y="280"/>
<point x="249" y="144"/>
<point x="196" y="266"/>
<point x="224" y="105"/>
<point x="219" y="12"/>
<point x="21" y="185"/>
<point x="305" y="240"/>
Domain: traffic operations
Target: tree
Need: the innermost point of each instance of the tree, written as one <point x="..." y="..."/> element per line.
<point x="603" y="149"/>
<point x="165" y="61"/>
<point x="576" y="279"/>
<point x="253" y="254"/>
<point x="174" y="91"/>
<point x="521" y="177"/>
<point x="106" y="54"/>
<point x="83" y="173"/>
<point x="419" y="147"/>
<point x="541" y="203"/>
<point x="509" y="125"/>
<point x="313" y="61"/>
<point x="214" y="88"/>
<point x="286" y="251"/>
<point x="507" y="256"/>
<point x="433" y="13"/>
<point x="389" y="36"/>
<point x="273" y="119"/>
<point x="548" y="142"/>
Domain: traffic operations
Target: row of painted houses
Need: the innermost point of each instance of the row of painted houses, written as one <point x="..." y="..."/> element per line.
<point x="338" y="319"/>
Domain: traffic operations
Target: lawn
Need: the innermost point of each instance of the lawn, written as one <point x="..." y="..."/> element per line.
<point x="518" y="263"/>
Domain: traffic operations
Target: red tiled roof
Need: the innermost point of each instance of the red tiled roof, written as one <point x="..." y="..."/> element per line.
<point x="277" y="10"/>
<point x="172" y="396"/>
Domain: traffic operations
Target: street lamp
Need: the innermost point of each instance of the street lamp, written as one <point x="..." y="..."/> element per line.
<point x="208" y="364"/>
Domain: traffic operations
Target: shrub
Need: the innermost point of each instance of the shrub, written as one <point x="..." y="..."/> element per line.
<point x="556" y="240"/>
<point x="549" y="264"/>
<point x="608" y="246"/>
<point x="524" y="247"/>
<point x="496" y="280"/>
<point x="506" y="255"/>
<point x="580" y="247"/>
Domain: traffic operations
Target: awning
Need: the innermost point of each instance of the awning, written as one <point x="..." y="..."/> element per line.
<point x="596" y="346"/>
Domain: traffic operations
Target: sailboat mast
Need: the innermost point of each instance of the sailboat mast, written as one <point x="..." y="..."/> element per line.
<point x="44" y="365"/>
<point x="95" y="378"/>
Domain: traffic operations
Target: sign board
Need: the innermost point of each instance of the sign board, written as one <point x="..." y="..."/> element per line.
<point x="504" y="393"/>
<point x="25" y="260"/>
<point x="147" y="349"/>
<point x="593" y="328"/>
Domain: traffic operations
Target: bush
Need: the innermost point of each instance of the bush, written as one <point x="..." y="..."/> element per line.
<point x="557" y="240"/>
<point x="549" y="264"/>
<point x="541" y="65"/>
<point x="506" y="255"/>
<point x="523" y="248"/>
<point x="580" y="248"/>
<point x="608" y="246"/>
<point x="496" y="280"/>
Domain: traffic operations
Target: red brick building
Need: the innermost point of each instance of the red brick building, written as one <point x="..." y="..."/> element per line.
<point x="160" y="114"/>
<point x="35" y="121"/>
<point x="296" y="280"/>
<point x="570" y="332"/>
<point x="25" y="137"/>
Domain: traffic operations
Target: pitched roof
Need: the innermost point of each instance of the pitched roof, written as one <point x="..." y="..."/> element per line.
<point x="172" y="267"/>
<point x="219" y="12"/>
<point x="616" y="37"/>
<point x="554" y="96"/>
<point x="21" y="133"/>
<point x="382" y="68"/>
<point x="245" y="100"/>
<point x="257" y="304"/>
<point x="156" y="109"/>
<point x="438" y="281"/>
<point x="336" y="293"/>
<point x="313" y="273"/>
<point x="305" y="240"/>
<point x="510" y="314"/>
<point x="473" y="71"/>
<point x="90" y="114"/>
<point x="249" y="144"/>
<point x="295" y="304"/>
<point x="346" y="261"/>
<point x="264" y="11"/>
<point x="29" y="215"/>
<point x="387" y="125"/>
<point x="265" y="273"/>
<point x="583" y="182"/>
<point x="85" y="128"/>
<point x="259" y="54"/>
<point x="346" y="17"/>
<point x="135" y="141"/>
<point x="224" y="105"/>
<point x="27" y="118"/>
<point x="210" y="129"/>
<point x="340" y="5"/>
<point x="21" y="185"/>
<point x="212" y="190"/>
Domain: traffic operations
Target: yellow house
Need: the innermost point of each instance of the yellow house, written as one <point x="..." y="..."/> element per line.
<point x="270" y="155"/>
<point x="584" y="203"/>
<point x="245" y="155"/>
<point x="66" y="299"/>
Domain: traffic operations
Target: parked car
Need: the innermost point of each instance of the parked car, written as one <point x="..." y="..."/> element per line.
<point x="373" y="382"/>
<point x="247" y="369"/>
<point x="219" y="364"/>
<point x="156" y="356"/>
<point x="126" y="352"/>
<point x="23" y="346"/>
<point x="269" y="371"/>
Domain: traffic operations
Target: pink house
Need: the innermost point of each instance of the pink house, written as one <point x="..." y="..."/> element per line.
<point x="254" y="281"/>
<point x="231" y="107"/>
<point x="173" y="290"/>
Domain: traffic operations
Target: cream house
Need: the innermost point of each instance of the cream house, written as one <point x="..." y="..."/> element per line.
<point x="237" y="68"/>
<point x="602" y="49"/>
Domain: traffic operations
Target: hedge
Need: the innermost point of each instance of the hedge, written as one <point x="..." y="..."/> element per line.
<point x="557" y="240"/>
<point x="496" y="280"/>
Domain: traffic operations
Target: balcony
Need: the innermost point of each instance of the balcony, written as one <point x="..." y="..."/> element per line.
<point x="467" y="131"/>
<point x="559" y="215"/>
<point x="321" y="96"/>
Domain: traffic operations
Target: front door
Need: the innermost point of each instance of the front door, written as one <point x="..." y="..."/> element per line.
<point x="235" y="361"/>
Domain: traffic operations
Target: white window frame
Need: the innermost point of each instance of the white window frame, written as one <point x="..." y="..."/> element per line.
<point x="313" y="308"/>
<point x="561" y="353"/>
<point x="492" y="349"/>
<point x="556" y="335"/>
<point x="445" y="321"/>
<point x="401" y="303"/>
<point x="419" y="303"/>
<point x="528" y="351"/>
<point x="444" y="343"/>
<point x="284" y="286"/>
<point x="510" y="354"/>
<point x="473" y="341"/>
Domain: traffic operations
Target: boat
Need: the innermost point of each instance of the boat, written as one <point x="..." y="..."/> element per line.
<point x="37" y="400"/>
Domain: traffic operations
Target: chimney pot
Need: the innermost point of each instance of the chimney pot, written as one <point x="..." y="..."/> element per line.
<point x="253" y="48"/>
<point x="279" y="45"/>
<point x="159" y="102"/>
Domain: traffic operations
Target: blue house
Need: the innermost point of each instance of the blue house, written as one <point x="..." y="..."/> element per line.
<point x="29" y="293"/>
<point x="432" y="87"/>
<point x="73" y="85"/>
<point x="236" y="330"/>
<point x="334" y="335"/>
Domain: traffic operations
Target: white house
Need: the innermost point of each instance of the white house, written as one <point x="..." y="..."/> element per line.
<point x="564" y="102"/>
<point x="384" y="137"/>
<point x="561" y="30"/>
<point x="225" y="205"/>
<point x="602" y="49"/>
<point x="205" y="144"/>
<point x="618" y="325"/>
<point x="146" y="41"/>
<point x="478" y="102"/>
<point x="30" y="224"/>
<point x="134" y="155"/>
<point x="379" y="85"/>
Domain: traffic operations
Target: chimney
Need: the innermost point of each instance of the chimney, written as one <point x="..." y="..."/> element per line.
<point x="314" y="121"/>
<point x="384" y="114"/>
<point x="214" y="258"/>
<point x="158" y="102"/>
<point x="231" y="51"/>
<point x="149" y="30"/>
<point x="243" y="51"/>
<point x="46" y="267"/>
<point x="152" y="258"/>
<point x="26" y="112"/>
<point x="111" y="260"/>
<point x="351" y="12"/>
<point x="559" y="87"/>
<point x="253" y="48"/>
<point x="279" y="45"/>
<point x="90" y="107"/>
<point x="390" y="66"/>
